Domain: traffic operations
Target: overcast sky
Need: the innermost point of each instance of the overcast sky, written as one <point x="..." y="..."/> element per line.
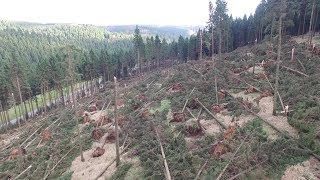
<point x="118" y="12"/>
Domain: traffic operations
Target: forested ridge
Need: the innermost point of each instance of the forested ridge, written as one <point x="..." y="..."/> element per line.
<point x="31" y="53"/>
<point x="237" y="99"/>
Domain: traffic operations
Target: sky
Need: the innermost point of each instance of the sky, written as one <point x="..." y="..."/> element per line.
<point x="118" y="12"/>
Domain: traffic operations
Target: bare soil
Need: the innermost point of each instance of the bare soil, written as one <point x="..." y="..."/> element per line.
<point x="307" y="170"/>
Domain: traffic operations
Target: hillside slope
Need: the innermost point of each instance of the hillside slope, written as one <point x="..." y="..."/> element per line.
<point x="232" y="134"/>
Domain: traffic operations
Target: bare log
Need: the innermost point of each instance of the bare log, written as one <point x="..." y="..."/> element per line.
<point x="234" y="154"/>
<point x="201" y="169"/>
<point x="295" y="71"/>
<point x="46" y="176"/>
<point x="168" y="176"/>
<point x="247" y="170"/>
<point x="279" y="131"/>
<point x="185" y="104"/>
<point x="245" y="82"/>
<point x="210" y="113"/>
<point x="23" y="172"/>
<point x="31" y="135"/>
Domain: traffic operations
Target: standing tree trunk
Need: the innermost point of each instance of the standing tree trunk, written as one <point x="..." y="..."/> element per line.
<point x="31" y="103"/>
<point x="275" y="95"/>
<point x="315" y="21"/>
<point x="200" y="37"/>
<point x="116" y="122"/>
<point x="20" y="96"/>
<point x="37" y="105"/>
<point x="304" y="22"/>
<point x="44" y="98"/>
<point x="216" y="87"/>
<point x="138" y="61"/>
<point x="311" y="21"/>
<point x="212" y="45"/>
<point x="15" y="110"/>
<point x="3" y="117"/>
<point x="220" y="44"/>
<point x="7" y="115"/>
<point x="25" y="110"/>
<point x="272" y="27"/>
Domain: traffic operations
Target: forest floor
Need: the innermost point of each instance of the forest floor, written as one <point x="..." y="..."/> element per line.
<point x="235" y="138"/>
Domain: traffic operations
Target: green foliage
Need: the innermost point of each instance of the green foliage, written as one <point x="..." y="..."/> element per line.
<point x="121" y="171"/>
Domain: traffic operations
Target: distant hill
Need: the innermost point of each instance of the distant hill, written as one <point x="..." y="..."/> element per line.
<point x="168" y="32"/>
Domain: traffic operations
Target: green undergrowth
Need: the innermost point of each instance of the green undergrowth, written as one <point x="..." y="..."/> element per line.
<point x="306" y="118"/>
<point x="121" y="171"/>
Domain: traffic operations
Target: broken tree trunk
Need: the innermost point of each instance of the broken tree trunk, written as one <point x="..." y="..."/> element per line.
<point x="167" y="174"/>
<point x="210" y="113"/>
<point x="234" y="154"/>
<point x="23" y="172"/>
<point x="295" y="71"/>
<point x="201" y="169"/>
<point x="278" y="130"/>
<point x="46" y="176"/>
<point x="116" y="122"/>
<point x="245" y="82"/>
<point x="277" y="67"/>
<point x="185" y="104"/>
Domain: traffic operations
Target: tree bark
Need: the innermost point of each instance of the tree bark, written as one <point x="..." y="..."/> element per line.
<point x="304" y="22"/>
<point x="315" y="21"/>
<point x="212" y="45"/>
<point x="200" y="53"/>
<point x="272" y="27"/>
<point x="15" y="110"/>
<point x="277" y="69"/>
<point x="311" y="21"/>
<point x="220" y="44"/>
<point x="20" y="96"/>
<point x="44" y="98"/>
<point x="116" y="122"/>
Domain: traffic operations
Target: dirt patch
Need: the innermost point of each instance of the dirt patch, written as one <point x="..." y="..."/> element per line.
<point x="281" y="122"/>
<point x="211" y="127"/>
<point x="257" y="70"/>
<point x="228" y="120"/>
<point x="309" y="169"/>
<point x="93" y="166"/>
<point x="247" y="97"/>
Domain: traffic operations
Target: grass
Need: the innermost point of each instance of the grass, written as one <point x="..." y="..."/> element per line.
<point x="121" y="171"/>
<point x="11" y="111"/>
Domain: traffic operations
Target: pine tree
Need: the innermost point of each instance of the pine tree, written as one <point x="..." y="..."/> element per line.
<point x="138" y="42"/>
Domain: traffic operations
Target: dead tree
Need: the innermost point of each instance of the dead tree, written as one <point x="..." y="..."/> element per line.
<point x="116" y="122"/>
<point x="278" y="67"/>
